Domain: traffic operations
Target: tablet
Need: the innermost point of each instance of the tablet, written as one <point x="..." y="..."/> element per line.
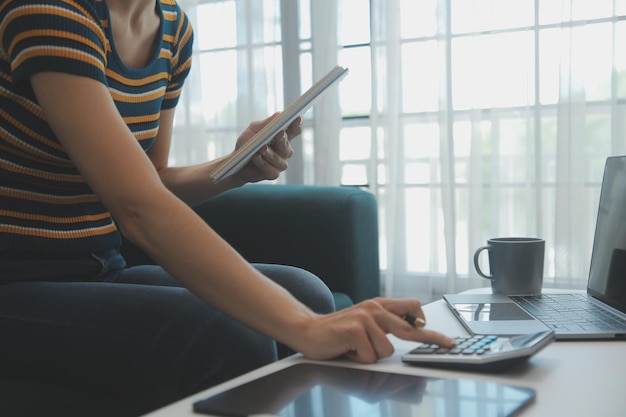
<point x="242" y="155"/>
<point x="321" y="390"/>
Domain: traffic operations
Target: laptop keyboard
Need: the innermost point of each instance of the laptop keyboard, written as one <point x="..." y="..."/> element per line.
<point x="570" y="312"/>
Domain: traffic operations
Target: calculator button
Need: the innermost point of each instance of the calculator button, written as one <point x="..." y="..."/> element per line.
<point x="424" y="350"/>
<point x="470" y="345"/>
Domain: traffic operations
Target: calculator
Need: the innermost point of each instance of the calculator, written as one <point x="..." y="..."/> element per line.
<point x="480" y="352"/>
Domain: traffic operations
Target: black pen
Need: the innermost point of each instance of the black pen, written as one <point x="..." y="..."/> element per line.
<point x="414" y="321"/>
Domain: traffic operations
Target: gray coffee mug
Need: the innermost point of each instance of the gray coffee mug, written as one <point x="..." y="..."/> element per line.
<point x="515" y="263"/>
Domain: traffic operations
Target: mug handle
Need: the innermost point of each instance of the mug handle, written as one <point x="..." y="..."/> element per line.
<point x="476" y="254"/>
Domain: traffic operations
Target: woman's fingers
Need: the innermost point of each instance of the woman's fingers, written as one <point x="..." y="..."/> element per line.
<point x="360" y="332"/>
<point x="281" y="144"/>
<point x="409" y="322"/>
<point x="375" y="343"/>
<point x="281" y="147"/>
<point x="295" y="128"/>
<point x="429" y="336"/>
<point x="271" y="160"/>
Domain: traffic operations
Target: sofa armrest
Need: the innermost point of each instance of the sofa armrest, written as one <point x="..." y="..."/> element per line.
<point x="329" y="231"/>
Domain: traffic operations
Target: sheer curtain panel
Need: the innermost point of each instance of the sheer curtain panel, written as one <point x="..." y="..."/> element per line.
<point x="468" y="119"/>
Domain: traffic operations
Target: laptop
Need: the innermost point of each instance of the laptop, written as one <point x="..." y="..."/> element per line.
<point x="598" y="313"/>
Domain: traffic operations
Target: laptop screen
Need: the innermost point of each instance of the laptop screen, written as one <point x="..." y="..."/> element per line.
<point x="607" y="275"/>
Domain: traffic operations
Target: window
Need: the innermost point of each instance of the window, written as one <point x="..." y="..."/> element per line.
<point x="466" y="119"/>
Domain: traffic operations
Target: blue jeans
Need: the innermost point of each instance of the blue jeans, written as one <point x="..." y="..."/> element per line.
<point x="133" y="331"/>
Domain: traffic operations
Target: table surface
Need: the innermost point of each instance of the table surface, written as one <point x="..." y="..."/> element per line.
<point x="572" y="378"/>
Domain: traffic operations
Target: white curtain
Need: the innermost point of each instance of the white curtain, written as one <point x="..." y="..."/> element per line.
<point x="528" y="105"/>
<point x="236" y="75"/>
<point x="485" y="118"/>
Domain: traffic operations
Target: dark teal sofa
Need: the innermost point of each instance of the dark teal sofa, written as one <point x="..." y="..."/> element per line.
<point x="330" y="231"/>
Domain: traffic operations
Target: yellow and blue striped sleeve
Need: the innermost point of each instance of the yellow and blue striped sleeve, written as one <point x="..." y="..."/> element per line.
<point x="53" y="35"/>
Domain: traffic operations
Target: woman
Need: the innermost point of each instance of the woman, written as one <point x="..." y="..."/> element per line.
<point x="89" y="89"/>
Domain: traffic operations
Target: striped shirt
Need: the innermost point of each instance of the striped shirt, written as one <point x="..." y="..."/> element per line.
<point x="46" y="207"/>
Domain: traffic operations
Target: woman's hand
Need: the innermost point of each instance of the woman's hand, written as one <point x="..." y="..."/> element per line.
<point x="360" y="332"/>
<point x="270" y="160"/>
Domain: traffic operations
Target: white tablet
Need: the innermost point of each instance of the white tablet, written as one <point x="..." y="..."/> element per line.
<point x="242" y="155"/>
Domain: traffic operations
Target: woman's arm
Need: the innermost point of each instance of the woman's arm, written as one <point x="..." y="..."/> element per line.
<point x="193" y="184"/>
<point x="84" y="118"/>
